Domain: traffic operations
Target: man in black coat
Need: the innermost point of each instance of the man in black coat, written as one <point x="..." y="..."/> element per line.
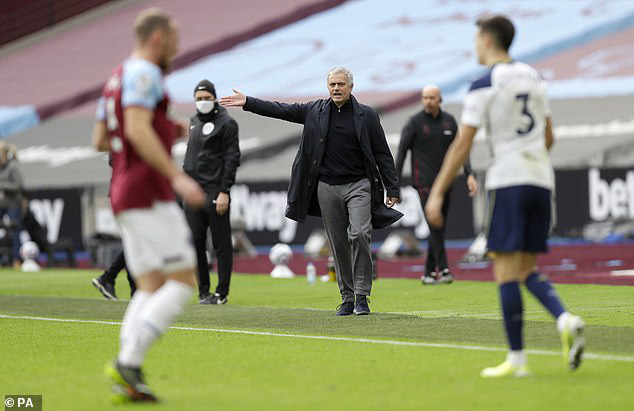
<point x="339" y="172"/>
<point x="428" y="134"/>
<point x="212" y="158"/>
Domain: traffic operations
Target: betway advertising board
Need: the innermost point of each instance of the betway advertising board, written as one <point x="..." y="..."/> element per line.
<point x="582" y="196"/>
<point x="59" y="211"/>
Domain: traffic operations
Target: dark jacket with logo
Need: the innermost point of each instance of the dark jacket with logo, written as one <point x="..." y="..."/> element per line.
<point x="429" y="139"/>
<point x="213" y="155"/>
<point x="314" y="115"/>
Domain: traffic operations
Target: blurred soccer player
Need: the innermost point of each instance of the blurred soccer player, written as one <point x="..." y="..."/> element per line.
<point x="510" y="103"/>
<point x="132" y="123"/>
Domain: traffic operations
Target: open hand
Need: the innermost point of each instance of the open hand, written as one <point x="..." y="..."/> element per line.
<point x="236" y="100"/>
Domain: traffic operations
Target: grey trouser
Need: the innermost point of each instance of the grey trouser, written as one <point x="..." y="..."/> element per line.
<point x="346" y="212"/>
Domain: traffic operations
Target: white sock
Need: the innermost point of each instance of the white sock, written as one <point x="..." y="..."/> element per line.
<point x="562" y="320"/>
<point x="155" y="317"/>
<point x="516" y="358"/>
<point x="131" y="316"/>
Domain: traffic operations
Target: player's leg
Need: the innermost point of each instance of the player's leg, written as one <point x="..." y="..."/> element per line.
<point x="359" y="232"/>
<point x="506" y="272"/>
<point x="538" y="225"/>
<point x="131" y="281"/>
<point x="105" y="282"/>
<point x="220" y="226"/>
<point x="163" y="261"/>
<point x="158" y="313"/>
<point x="335" y="218"/>
<point x="199" y="223"/>
<point x="505" y="239"/>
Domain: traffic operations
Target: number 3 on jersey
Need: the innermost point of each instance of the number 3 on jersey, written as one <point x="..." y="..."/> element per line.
<point x="523" y="97"/>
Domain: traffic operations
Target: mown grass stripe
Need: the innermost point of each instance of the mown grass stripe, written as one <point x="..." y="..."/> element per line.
<point x="591" y="356"/>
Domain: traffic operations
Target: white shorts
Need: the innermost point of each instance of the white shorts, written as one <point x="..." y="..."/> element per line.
<point x="156" y="239"/>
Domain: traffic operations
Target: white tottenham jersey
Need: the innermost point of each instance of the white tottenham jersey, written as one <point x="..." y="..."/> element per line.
<point x="510" y="104"/>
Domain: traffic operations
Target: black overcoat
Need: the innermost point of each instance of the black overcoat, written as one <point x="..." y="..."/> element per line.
<point x="315" y="116"/>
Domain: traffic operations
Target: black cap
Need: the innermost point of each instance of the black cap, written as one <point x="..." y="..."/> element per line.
<point x="207" y="86"/>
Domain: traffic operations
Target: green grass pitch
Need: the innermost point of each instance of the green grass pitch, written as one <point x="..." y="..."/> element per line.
<point x="277" y="345"/>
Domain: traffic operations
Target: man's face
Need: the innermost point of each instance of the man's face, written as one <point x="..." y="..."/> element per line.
<point x="481" y="43"/>
<point x="431" y="100"/>
<point x="339" y="88"/>
<point x="169" y="46"/>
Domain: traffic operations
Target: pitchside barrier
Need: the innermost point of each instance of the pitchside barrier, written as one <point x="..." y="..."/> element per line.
<point x="582" y="196"/>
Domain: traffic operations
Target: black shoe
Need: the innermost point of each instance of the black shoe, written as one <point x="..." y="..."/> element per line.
<point x="218" y="299"/>
<point x="204" y="299"/>
<point x="345" y="308"/>
<point x="105" y="288"/>
<point x="361" y="305"/>
<point x="129" y="384"/>
<point x="445" y="277"/>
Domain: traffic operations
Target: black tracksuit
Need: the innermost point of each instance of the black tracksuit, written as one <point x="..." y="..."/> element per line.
<point x="212" y="158"/>
<point x="429" y="138"/>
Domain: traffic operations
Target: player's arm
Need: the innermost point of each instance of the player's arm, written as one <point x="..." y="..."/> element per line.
<point x="550" y="136"/>
<point x="141" y="134"/>
<point x="456" y="156"/>
<point x="100" y="139"/>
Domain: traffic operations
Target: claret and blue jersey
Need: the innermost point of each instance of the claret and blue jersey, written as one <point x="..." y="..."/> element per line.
<point x="135" y="83"/>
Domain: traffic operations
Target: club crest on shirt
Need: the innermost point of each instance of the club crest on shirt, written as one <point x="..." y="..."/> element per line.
<point x="143" y="83"/>
<point x="208" y="128"/>
<point x="116" y="144"/>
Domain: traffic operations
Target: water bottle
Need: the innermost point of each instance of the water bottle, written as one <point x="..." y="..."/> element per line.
<point x="332" y="274"/>
<point x="311" y="273"/>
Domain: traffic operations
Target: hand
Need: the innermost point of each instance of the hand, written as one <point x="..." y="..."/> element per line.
<point x="222" y="203"/>
<point x="391" y="201"/>
<point x="433" y="211"/>
<point x="472" y="184"/>
<point x="237" y="100"/>
<point x="189" y="190"/>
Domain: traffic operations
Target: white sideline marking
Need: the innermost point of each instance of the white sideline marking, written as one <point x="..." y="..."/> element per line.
<point x="588" y="356"/>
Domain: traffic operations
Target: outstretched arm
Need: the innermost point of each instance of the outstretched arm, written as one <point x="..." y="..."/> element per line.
<point x="295" y="112"/>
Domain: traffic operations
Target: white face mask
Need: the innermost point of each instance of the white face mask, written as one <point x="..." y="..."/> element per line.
<point x="205" y="106"/>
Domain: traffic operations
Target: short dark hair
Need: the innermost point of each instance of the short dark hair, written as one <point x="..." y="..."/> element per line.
<point x="150" y="20"/>
<point x="500" y="27"/>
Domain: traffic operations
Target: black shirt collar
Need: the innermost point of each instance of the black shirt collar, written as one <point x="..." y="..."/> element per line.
<point x="347" y="106"/>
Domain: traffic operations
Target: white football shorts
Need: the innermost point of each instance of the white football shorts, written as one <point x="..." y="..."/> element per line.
<point x="156" y="239"/>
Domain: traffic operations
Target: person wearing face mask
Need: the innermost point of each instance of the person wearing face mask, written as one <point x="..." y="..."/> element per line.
<point x="212" y="158"/>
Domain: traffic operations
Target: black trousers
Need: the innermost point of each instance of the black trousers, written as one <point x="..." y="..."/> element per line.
<point x="115" y="268"/>
<point x="436" y="252"/>
<point x="220" y="226"/>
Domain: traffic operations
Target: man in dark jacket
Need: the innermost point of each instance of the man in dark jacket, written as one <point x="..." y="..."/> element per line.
<point x="339" y="172"/>
<point x="428" y="134"/>
<point x="212" y="158"/>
